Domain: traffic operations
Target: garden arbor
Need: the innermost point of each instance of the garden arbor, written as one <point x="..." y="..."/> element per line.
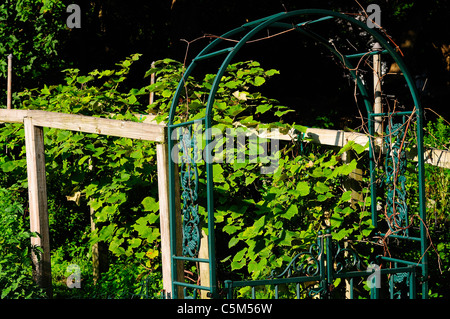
<point x="331" y="30"/>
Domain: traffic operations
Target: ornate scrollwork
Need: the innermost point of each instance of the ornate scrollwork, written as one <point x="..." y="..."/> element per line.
<point x="396" y="206"/>
<point x="189" y="193"/>
<point x="400" y="277"/>
<point x="303" y="264"/>
<point x="345" y="259"/>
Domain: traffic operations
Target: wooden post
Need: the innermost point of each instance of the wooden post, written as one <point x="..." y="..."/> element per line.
<point x="204" y="267"/>
<point x="164" y="220"/>
<point x="95" y="256"/>
<point x="163" y="192"/>
<point x="9" y="83"/>
<point x="377" y="106"/>
<point x="152" y="81"/>
<point x="100" y="263"/>
<point x="37" y="192"/>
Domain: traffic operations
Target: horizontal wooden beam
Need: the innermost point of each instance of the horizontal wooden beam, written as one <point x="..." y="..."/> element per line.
<point x="88" y="124"/>
<point x="435" y="157"/>
<point x="12" y="116"/>
<point x="335" y="137"/>
<point x="316" y="135"/>
<point x="151" y="131"/>
<point x="339" y="138"/>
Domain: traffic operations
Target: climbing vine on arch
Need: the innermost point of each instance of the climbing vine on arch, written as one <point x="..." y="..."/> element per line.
<point x="262" y="220"/>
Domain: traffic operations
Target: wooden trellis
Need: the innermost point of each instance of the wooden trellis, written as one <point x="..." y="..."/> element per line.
<point x="35" y="120"/>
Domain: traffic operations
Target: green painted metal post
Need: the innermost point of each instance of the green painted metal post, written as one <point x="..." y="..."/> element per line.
<point x="412" y="283"/>
<point x="422" y="203"/>
<point x="321" y="259"/>
<point x="329" y="256"/>
<point x="373" y="175"/>
<point x="229" y="288"/>
<point x="210" y="210"/>
<point x="172" y="212"/>
<point x="351" y="288"/>
<point x="391" y="287"/>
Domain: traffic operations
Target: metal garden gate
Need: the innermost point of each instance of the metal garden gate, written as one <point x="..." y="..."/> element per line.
<point x="312" y="272"/>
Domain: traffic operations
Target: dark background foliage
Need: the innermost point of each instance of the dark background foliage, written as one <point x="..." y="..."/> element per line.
<point x="112" y="30"/>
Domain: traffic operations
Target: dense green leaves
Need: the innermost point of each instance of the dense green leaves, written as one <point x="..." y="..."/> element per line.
<point x="283" y="217"/>
<point x="262" y="220"/>
<point x="15" y="261"/>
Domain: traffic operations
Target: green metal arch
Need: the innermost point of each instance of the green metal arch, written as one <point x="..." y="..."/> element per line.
<point x="254" y="27"/>
<point x="249" y="30"/>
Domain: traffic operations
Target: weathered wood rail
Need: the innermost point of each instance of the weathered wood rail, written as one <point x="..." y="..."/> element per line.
<point x="35" y="120"/>
<point x="340" y="138"/>
<point x="87" y="124"/>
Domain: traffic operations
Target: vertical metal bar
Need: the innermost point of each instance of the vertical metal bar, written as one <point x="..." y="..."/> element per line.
<point x="172" y="180"/>
<point x="276" y="291"/>
<point x="329" y="256"/>
<point x="253" y="293"/>
<point x="373" y="175"/>
<point x="351" y="288"/>
<point x="172" y="210"/>
<point x="422" y="203"/>
<point x="229" y="288"/>
<point x="298" y="290"/>
<point x="175" y="217"/>
<point x="210" y="210"/>
<point x="321" y="260"/>
<point x="376" y="294"/>
<point x="412" y="284"/>
<point x="391" y="286"/>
